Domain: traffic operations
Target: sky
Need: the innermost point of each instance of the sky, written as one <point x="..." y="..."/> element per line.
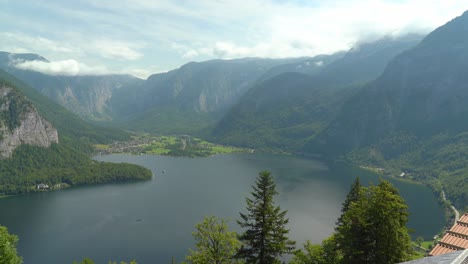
<point x="142" y="37"/>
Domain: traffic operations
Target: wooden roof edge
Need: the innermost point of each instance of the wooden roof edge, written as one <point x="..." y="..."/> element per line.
<point x="450" y="245"/>
<point x="458" y="234"/>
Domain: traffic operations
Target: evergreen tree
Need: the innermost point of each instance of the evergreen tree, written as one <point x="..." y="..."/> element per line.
<point x="8" y="254"/>
<point x="387" y="217"/>
<point x="373" y="228"/>
<point x="353" y="195"/>
<point x="215" y="243"/>
<point x="350" y="233"/>
<point x="265" y="238"/>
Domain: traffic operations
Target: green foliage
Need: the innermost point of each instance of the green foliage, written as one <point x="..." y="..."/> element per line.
<point x="66" y="162"/>
<point x="57" y="164"/>
<point x="294" y="103"/>
<point x="166" y="121"/>
<point x="440" y="161"/>
<point x="419" y="240"/>
<point x="186" y="146"/>
<point x="90" y="261"/>
<point x="68" y="124"/>
<point x="326" y="253"/>
<point x="265" y="238"/>
<point x="214" y="243"/>
<point x="190" y="99"/>
<point x="85" y="261"/>
<point x="413" y="118"/>
<point x="270" y="118"/>
<point x="353" y="196"/>
<point x="373" y="229"/>
<point x="8" y="254"/>
<point x="18" y="106"/>
<point x="122" y="262"/>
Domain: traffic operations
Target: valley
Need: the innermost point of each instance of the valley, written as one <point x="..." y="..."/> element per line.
<point x="184" y="146"/>
<point x="139" y="140"/>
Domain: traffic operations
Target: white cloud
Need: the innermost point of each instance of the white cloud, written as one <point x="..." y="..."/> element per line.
<point x="170" y="33"/>
<point x="144" y="73"/>
<point x="116" y="50"/>
<point x="291" y="30"/>
<point x="72" y="67"/>
<point x="190" y="54"/>
<point x="20" y="42"/>
<point x="64" y="67"/>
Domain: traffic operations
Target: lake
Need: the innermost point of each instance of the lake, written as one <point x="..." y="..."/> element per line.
<point x="152" y="221"/>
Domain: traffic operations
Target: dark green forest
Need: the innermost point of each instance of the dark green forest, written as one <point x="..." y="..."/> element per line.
<point x="67" y="162"/>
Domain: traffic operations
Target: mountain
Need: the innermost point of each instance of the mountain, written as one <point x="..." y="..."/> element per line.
<point x="309" y="66"/>
<point x="41" y="142"/>
<point x="87" y="96"/>
<point x="413" y="117"/>
<point x="362" y="63"/>
<point x="421" y="92"/>
<point x="289" y="109"/>
<point x="190" y="98"/>
<point x="20" y="123"/>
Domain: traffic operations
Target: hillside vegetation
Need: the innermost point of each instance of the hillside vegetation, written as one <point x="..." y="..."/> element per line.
<point x="66" y="162"/>
<point x="413" y="117"/>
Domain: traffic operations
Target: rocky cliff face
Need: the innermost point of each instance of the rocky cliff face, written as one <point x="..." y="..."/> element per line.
<point x="210" y="87"/>
<point x="20" y="123"/>
<point x="87" y="96"/>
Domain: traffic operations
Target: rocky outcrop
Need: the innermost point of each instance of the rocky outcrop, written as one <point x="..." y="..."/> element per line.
<point x="30" y="129"/>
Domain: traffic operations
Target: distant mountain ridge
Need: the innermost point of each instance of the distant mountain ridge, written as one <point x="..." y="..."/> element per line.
<point x="192" y="98"/>
<point x="398" y="103"/>
<point x="195" y="95"/>
<point x="87" y="96"/>
<point x="413" y="118"/>
<point x="289" y="109"/>
<point x="420" y="92"/>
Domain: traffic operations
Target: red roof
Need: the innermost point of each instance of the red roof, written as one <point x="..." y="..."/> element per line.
<point x="441" y="249"/>
<point x="455" y="239"/>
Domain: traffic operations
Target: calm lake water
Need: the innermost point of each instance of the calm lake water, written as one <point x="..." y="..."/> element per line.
<point x="152" y="221"/>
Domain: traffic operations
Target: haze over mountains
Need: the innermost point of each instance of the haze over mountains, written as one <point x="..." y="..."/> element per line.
<point x="396" y="103"/>
<point x="421" y="92"/>
<point x="286" y="110"/>
<point x="86" y="96"/>
<point x="196" y="95"/>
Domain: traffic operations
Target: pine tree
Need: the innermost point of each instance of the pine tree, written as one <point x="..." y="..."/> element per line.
<point x="353" y="196"/>
<point x="350" y="228"/>
<point x="265" y="238"/>
<point x="373" y="228"/>
<point x="387" y="217"/>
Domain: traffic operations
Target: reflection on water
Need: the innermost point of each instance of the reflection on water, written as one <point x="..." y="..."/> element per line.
<point x="152" y="221"/>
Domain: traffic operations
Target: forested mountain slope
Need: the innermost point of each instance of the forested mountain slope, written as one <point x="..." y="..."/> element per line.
<point x="414" y="115"/>
<point x="289" y="109"/>
<point x="189" y="99"/>
<point x="41" y="142"/>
